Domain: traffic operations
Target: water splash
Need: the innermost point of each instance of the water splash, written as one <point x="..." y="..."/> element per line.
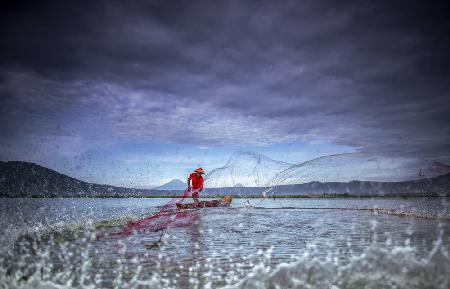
<point x="245" y="169"/>
<point x="379" y="265"/>
<point x="82" y="259"/>
<point x="250" y="174"/>
<point x="376" y="267"/>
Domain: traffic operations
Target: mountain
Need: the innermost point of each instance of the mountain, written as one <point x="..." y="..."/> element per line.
<point x="22" y="179"/>
<point x="436" y="186"/>
<point x="174" y="184"/>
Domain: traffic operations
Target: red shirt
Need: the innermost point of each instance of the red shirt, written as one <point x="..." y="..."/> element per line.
<point x="197" y="181"/>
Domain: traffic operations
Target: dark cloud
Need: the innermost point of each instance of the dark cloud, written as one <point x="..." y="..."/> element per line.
<point x="368" y="74"/>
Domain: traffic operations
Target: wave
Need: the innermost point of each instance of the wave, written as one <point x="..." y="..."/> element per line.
<point x="376" y="267"/>
<point x="66" y="230"/>
<point x="60" y="231"/>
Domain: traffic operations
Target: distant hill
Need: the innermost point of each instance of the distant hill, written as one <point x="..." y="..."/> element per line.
<point x="436" y="186"/>
<point x="23" y="179"/>
<point x="174" y="184"/>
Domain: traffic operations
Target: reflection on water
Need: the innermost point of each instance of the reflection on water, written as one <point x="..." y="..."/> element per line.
<point x="288" y="242"/>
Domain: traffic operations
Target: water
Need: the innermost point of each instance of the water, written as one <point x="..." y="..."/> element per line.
<point x="289" y="243"/>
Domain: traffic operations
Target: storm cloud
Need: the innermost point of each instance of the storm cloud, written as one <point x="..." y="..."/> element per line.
<point x="372" y="75"/>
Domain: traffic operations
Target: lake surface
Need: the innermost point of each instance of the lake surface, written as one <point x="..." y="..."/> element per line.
<point x="256" y="243"/>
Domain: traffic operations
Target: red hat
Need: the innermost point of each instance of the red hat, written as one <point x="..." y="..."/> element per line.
<point x="200" y="171"/>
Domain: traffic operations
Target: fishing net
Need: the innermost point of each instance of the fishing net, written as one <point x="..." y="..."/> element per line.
<point x="248" y="174"/>
<point x="167" y="216"/>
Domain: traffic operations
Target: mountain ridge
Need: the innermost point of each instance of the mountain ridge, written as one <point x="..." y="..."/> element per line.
<point x="24" y="179"/>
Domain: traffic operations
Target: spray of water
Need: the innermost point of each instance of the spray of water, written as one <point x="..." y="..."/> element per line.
<point x="84" y="259"/>
<point x="250" y="174"/>
<point x="50" y="263"/>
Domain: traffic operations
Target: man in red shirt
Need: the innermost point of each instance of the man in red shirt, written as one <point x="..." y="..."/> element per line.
<point x="197" y="183"/>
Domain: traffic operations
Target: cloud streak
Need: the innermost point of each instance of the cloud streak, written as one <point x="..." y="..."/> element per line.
<point x="373" y="76"/>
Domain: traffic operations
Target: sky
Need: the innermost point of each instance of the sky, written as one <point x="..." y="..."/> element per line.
<point x="136" y="93"/>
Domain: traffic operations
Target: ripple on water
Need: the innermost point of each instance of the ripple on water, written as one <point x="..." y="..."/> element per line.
<point x="237" y="248"/>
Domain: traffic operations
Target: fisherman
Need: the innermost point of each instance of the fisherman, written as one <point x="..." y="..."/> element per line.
<point x="197" y="183"/>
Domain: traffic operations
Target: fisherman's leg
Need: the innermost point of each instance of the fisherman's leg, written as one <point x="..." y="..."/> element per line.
<point x="195" y="196"/>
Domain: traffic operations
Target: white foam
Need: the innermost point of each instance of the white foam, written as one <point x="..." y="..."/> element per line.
<point x="376" y="267"/>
